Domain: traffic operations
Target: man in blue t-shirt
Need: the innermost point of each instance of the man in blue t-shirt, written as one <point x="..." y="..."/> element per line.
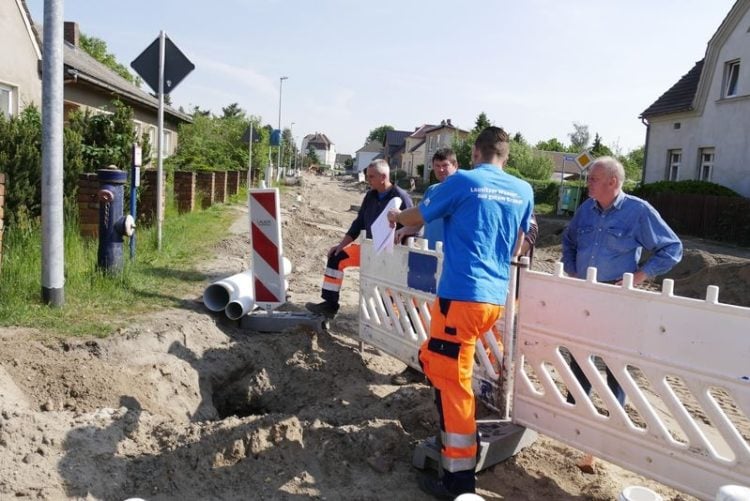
<point x="486" y="213"/>
<point x="444" y="164"/>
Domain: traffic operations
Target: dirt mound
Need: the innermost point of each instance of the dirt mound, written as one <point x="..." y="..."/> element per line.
<point x="183" y="405"/>
<point x="734" y="280"/>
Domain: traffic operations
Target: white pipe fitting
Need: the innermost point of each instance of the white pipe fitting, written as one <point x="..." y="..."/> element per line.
<point x="219" y="295"/>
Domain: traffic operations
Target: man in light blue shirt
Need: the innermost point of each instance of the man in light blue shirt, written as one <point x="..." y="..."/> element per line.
<point x="610" y="230"/>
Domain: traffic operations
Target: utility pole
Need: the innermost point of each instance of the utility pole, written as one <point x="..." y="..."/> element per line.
<point x="278" y="163"/>
<point x="53" y="241"/>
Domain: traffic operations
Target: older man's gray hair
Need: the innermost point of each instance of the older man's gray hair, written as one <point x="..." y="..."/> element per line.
<point x="380" y="166"/>
<point x="612" y="167"/>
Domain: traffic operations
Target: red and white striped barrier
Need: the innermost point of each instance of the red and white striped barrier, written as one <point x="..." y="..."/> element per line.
<point x="265" y="234"/>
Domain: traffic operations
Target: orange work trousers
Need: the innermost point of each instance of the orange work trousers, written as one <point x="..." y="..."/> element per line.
<point x="333" y="278"/>
<point x="447" y="358"/>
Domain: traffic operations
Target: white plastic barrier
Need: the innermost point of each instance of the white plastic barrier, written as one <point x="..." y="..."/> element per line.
<point x="683" y="363"/>
<point x="396" y="293"/>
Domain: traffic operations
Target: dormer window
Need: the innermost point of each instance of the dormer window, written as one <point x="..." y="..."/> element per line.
<point x="731" y="77"/>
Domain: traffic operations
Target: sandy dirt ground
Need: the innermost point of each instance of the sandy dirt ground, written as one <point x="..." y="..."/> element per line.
<point x="181" y="404"/>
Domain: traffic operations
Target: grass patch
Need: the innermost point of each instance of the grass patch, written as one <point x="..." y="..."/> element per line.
<point x="544" y="209"/>
<point x="96" y="303"/>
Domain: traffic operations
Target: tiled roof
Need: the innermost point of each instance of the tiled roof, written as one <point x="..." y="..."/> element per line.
<point x="419" y="133"/>
<point x="319" y="139"/>
<point x="372" y="146"/>
<point x="394" y="139"/>
<point x="443" y="126"/>
<point x="679" y="97"/>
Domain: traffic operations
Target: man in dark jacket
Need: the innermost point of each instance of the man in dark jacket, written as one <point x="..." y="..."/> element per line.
<point x="346" y="253"/>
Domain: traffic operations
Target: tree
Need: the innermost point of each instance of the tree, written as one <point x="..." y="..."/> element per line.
<point x="529" y="163"/>
<point x="518" y="138"/>
<point x="579" y="138"/>
<point x="289" y="148"/>
<point x="378" y="134"/>
<point x="97" y="48"/>
<point x="481" y="123"/>
<point x="107" y="138"/>
<point x="216" y="143"/>
<point x="312" y="156"/>
<point x="599" y="149"/>
<point x="552" y="144"/>
<point x="21" y="161"/>
<point x="232" y="111"/>
<point x="633" y="164"/>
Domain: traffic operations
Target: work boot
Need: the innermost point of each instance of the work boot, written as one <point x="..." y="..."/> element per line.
<point x="430" y="484"/>
<point x="324" y="309"/>
<point x="407" y="376"/>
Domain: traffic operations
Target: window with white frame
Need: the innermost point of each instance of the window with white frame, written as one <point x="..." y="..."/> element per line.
<point x="6" y="100"/>
<point x="674" y="158"/>
<point x="152" y="141"/>
<point x="706" y="163"/>
<point x="731" y="78"/>
<point x="166" y="151"/>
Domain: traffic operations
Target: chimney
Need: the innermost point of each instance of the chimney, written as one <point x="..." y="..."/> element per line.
<point x="71" y="33"/>
<point x="442" y="122"/>
<point x="449" y="122"/>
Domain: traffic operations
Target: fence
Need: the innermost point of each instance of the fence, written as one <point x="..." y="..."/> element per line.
<point x="682" y="363"/>
<point x="719" y="218"/>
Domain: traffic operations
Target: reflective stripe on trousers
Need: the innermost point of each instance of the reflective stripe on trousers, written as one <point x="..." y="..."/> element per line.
<point x="333" y="278"/>
<point x="447" y="358"/>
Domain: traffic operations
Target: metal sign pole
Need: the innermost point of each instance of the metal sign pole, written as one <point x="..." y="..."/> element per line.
<point x="160" y="146"/>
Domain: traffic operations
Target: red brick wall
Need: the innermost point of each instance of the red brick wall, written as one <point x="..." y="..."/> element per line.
<point x="2" y="213"/>
<point x="184" y="191"/>
<point x="147" y="202"/>
<point x="220" y="186"/>
<point x="205" y="188"/>
<point x="88" y="205"/>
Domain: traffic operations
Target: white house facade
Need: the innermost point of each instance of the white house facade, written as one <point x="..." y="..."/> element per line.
<point x="698" y="129"/>
<point x="20" y="58"/>
<point x="367" y="154"/>
<point x="323" y="147"/>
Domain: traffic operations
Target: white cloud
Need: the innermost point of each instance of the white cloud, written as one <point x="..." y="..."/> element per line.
<point x="242" y="75"/>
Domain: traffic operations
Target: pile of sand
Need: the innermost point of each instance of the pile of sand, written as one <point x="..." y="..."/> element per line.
<point x="183" y="405"/>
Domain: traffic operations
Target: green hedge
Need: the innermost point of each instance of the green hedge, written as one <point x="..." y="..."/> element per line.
<point x="689" y="186"/>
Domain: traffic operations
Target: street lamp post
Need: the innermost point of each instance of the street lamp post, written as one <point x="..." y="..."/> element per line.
<point x="278" y="162"/>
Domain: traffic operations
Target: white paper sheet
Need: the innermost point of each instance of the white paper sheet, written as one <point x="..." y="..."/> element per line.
<point x="382" y="233"/>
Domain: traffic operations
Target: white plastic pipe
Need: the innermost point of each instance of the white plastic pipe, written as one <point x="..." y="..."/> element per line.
<point x="218" y="295"/>
<point x="240" y="306"/>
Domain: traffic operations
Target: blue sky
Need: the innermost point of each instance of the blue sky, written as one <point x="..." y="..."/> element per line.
<point x="533" y="66"/>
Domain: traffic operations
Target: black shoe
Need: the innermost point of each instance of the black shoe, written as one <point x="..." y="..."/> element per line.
<point x="408" y="376"/>
<point x="430" y="484"/>
<point x="324" y="309"/>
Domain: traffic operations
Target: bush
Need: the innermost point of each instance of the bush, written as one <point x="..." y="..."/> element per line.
<point x="689" y="186"/>
<point x="107" y="138"/>
<point x="530" y="163"/>
<point x="21" y="160"/>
